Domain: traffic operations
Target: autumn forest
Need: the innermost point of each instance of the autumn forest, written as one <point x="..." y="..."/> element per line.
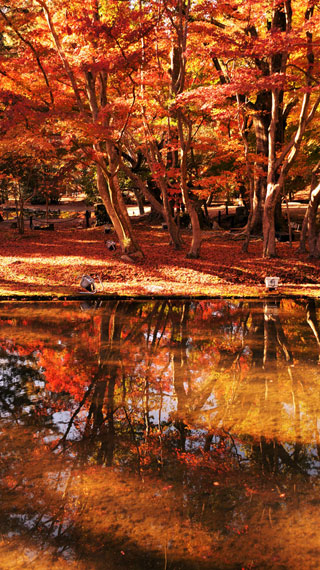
<point x="159" y="284"/>
<point x="186" y="102"/>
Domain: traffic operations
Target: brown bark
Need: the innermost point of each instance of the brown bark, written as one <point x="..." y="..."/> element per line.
<point x="111" y="196"/>
<point x="172" y="226"/>
<point x="278" y="167"/>
<point x="261" y="124"/>
<point x="153" y="157"/>
<point x="107" y="167"/>
<point x="273" y="189"/>
<point x="19" y="205"/>
<point x="185" y="144"/>
<point x="283" y="164"/>
<point x="178" y="72"/>
<point x="107" y="177"/>
<point x="140" y="183"/>
<point x="262" y="118"/>
<point x="309" y="221"/>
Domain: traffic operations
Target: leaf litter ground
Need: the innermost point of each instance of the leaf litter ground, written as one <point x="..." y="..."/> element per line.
<point x="51" y="264"/>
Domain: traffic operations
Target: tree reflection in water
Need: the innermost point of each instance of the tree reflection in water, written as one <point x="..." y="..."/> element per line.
<point x="160" y="434"/>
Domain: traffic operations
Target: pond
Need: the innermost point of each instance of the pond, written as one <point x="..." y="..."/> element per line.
<point x="160" y="434"/>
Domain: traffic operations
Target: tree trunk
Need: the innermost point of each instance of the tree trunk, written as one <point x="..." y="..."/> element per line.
<point x="264" y="114"/>
<point x="141" y="184"/>
<point x="19" y="203"/>
<point x="153" y="157"/>
<point x="107" y="181"/>
<point x="111" y="195"/>
<point x="256" y="205"/>
<point x="173" y="229"/>
<point x="194" y="251"/>
<point x="269" y="232"/>
<point x="139" y="200"/>
<point x="309" y="221"/>
<point x="279" y="166"/>
<point x="261" y="124"/>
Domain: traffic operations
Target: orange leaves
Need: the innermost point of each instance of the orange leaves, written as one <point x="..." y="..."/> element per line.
<point x="53" y="264"/>
<point x="10" y="482"/>
<point x="63" y="373"/>
<point x="65" y="368"/>
<point x="158" y="170"/>
<point x="244" y="80"/>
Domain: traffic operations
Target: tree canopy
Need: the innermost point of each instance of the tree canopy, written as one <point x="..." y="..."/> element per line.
<point x="185" y="98"/>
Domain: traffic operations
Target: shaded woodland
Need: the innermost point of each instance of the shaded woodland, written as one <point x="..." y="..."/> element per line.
<point x="180" y="102"/>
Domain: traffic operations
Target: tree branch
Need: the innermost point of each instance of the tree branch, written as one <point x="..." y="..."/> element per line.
<point x="61" y="53"/>
<point x="29" y="44"/>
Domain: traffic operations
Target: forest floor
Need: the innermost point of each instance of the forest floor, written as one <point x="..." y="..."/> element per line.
<point x="50" y="264"/>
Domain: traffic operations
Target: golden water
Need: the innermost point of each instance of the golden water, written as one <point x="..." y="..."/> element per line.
<point x="171" y="435"/>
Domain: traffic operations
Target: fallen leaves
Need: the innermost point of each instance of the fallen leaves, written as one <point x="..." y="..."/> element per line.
<point x="43" y="264"/>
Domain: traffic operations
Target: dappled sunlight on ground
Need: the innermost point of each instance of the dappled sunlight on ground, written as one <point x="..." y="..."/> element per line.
<point x="54" y="263"/>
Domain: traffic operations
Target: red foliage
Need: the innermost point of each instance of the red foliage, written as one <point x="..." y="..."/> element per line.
<point x="53" y="263"/>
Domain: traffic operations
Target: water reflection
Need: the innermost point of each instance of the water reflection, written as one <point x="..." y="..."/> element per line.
<point x="164" y="434"/>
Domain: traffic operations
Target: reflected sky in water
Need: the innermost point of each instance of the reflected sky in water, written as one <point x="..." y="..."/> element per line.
<point x="160" y="434"/>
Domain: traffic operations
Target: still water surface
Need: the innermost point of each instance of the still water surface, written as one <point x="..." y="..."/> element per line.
<point x="170" y="435"/>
